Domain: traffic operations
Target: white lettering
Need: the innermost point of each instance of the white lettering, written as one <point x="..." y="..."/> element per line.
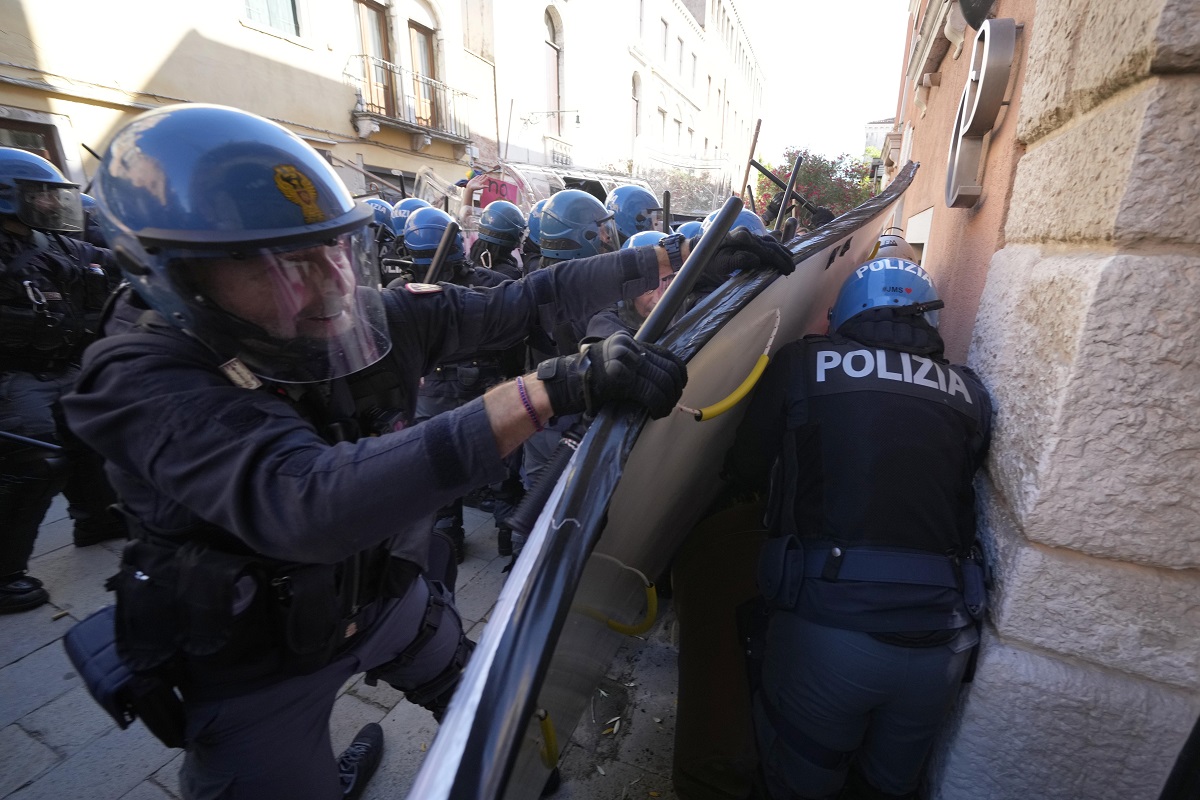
<point x="957" y="386"/>
<point x="920" y="378"/>
<point x="941" y="377"/>
<point x="906" y="367"/>
<point x="861" y="270"/>
<point x="868" y="363"/>
<point x="826" y="360"/>
<point x="881" y="367"/>
<point x="876" y="266"/>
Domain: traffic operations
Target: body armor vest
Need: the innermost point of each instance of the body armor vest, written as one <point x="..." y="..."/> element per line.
<point x="880" y="454"/>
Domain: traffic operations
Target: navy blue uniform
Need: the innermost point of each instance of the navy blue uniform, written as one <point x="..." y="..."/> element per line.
<point x="52" y="289"/>
<point x="453" y="383"/>
<point x="185" y="446"/>
<point x="873" y="451"/>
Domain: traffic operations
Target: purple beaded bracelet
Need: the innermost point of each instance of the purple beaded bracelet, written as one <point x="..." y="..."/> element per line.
<point x="533" y="417"/>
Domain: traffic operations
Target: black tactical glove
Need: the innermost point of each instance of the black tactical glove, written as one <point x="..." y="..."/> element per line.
<point x="741" y="249"/>
<point x="616" y="368"/>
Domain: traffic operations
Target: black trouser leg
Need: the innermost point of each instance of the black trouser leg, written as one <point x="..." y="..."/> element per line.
<point x="28" y="484"/>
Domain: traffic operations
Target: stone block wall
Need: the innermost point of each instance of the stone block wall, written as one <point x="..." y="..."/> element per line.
<point x="1088" y="336"/>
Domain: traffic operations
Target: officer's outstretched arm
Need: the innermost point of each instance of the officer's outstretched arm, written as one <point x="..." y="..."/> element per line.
<point x="613" y="369"/>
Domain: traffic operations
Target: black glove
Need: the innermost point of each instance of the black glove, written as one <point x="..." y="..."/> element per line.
<point x="616" y="368"/>
<point x="742" y="250"/>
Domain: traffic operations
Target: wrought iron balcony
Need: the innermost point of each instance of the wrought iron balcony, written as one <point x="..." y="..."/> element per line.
<point x="401" y="98"/>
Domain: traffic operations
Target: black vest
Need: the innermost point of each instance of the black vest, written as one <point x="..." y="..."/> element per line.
<point x="881" y="451"/>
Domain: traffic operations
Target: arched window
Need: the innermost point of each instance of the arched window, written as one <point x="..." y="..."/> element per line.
<point x="554" y="69"/>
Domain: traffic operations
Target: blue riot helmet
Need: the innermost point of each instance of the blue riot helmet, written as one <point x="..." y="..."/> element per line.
<point x="239" y="233"/>
<point x="423" y="233"/>
<point x="535" y="222"/>
<point x="502" y="223"/>
<point x="576" y="225"/>
<point x="635" y="209"/>
<point x="383" y="211"/>
<point x="35" y="192"/>
<point x="745" y="219"/>
<point x="883" y="282"/>
<point x="401" y="211"/>
<point x="690" y="229"/>
<point x="644" y="239"/>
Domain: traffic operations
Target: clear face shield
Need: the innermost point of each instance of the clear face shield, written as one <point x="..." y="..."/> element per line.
<point x="652" y="217"/>
<point x="49" y="206"/>
<point x="605" y="238"/>
<point x="291" y="314"/>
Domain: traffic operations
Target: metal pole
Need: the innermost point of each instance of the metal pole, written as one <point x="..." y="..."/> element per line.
<point x="443" y="250"/>
<point x="787" y="194"/>
<point x="753" y="144"/>
<point x="673" y="298"/>
<point x="666" y="211"/>
<point x="508" y="133"/>
<point x="16" y="437"/>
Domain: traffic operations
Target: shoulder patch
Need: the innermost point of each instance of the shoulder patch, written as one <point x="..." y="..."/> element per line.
<point x="423" y="288"/>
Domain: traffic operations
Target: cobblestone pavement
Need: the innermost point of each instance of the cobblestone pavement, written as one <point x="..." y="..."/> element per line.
<point x="57" y="744"/>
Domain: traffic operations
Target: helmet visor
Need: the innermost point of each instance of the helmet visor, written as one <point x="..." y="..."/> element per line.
<point x="650" y="220"/>
<point x="291" y="314"/>
<point x="49" y="206"/>
<point x="605" y="238"/>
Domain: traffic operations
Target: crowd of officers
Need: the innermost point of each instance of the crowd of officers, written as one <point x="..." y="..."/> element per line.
<point x="271" y="361"/>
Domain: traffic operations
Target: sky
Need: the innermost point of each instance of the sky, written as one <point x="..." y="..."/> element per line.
<point x="832" y="66"/>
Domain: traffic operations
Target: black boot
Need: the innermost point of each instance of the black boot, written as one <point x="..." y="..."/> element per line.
<point x="21" y="592"/>
<point x="504" y="543"/>
<point x="359" y="761"/>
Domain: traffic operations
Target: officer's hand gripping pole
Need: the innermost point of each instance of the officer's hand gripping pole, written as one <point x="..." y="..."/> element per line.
<point x="523" y="519"/>
<point x="443" y="250"/>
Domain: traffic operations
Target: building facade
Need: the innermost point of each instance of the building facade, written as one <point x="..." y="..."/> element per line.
<point x="387" y="88"/>
<point x="1056" y="209"/>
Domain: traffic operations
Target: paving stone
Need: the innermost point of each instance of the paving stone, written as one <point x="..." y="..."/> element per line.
<point x="69" y="722"/>
<point x="35" y="680"/>
<point x="106" y="769"/>
<point x="22" y="758"/>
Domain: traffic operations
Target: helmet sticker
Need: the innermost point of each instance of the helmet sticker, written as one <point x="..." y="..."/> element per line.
<point x="299" y="189"/>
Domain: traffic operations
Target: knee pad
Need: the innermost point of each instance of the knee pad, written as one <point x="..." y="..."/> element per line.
<point x="434" y="693"/>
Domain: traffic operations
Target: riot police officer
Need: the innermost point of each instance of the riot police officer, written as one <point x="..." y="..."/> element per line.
<point x="531" y="248"/>
<point x="501" y="229"/>
<point x="635" y="209"/>
<point x="628" y="315"/>
<point x="236" y="420"/>
<point x="396" y="265"/>
<point x="455" y="382"/>
<point x="52" y="288"/>
<point x="871" y="574"/>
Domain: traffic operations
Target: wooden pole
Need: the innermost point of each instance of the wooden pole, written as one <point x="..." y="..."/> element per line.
<point x="753" y="144"/>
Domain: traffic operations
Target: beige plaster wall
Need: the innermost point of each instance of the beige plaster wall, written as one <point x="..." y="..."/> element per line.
<point x="962" y="241"/>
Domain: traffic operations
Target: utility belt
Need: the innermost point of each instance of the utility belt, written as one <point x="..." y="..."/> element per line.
<point x="222" y="609"/>
<point x="191" y="615"/>
<point x="787" y="562"/>
<point x="477" y="374"/>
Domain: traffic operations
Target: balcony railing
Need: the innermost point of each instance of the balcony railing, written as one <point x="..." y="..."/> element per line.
<point x="395" y="93"/>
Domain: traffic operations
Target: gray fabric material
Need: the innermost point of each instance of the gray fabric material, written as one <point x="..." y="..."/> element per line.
<point x="850" y="692"/>
<point x="275" y="742"/>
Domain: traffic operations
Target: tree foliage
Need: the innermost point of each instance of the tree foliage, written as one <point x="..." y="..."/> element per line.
<point x="839" y="184"/>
